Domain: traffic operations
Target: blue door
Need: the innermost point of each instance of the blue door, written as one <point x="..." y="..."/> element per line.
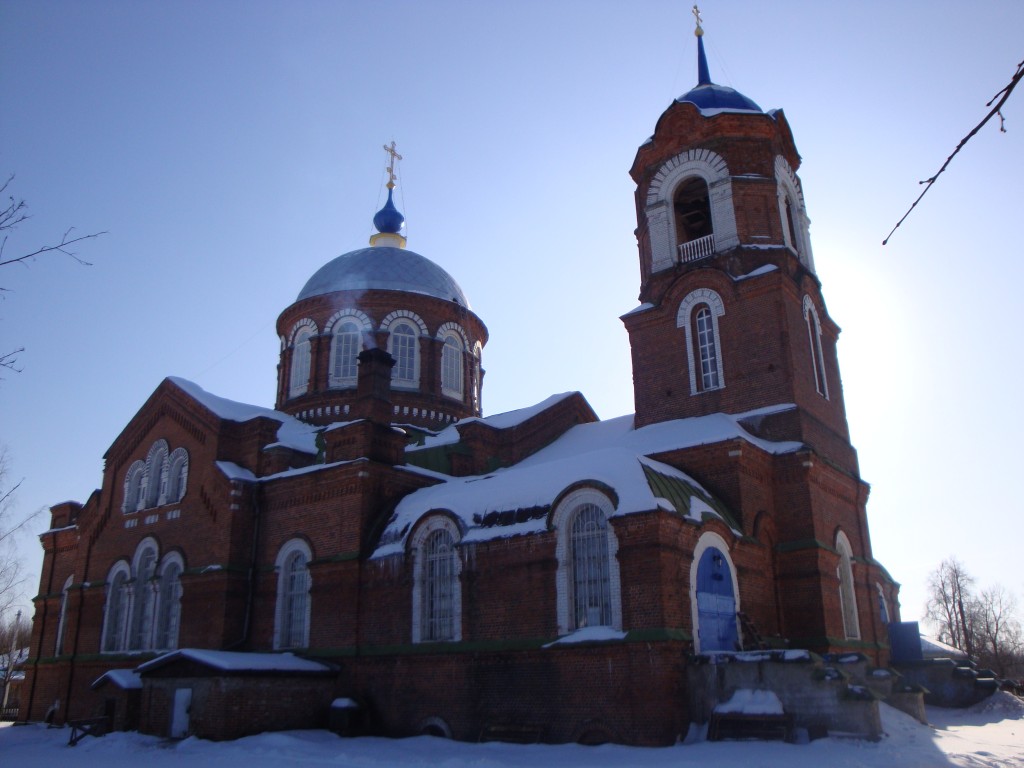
<point x="716" y="604"/>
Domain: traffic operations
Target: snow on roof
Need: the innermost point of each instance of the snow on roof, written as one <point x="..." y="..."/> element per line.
<point x="589" y="635"/>
<point x="450" y="435"/>
<point x="234" y="661"/>
<point x="933" y="648"/>
<point x="515" y="500"/>
<point x="746" y="701"/>
<point x="292" y="433"/>
<point x="126" y="679"/>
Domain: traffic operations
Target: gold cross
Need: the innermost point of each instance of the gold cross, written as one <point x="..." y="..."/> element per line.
<point x="696" y="15"/>
<point x="391" y="168"/>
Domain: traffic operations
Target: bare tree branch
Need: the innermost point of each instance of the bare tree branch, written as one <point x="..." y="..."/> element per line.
<point x="1002" y="95"/>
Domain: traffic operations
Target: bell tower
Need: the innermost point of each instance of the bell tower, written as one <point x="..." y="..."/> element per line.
<point x="732" y="317"/>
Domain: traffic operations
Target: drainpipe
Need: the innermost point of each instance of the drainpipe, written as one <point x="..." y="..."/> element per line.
<point x="257" y="509"/>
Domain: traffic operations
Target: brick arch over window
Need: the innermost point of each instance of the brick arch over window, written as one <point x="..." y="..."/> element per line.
<point x="587" y="583"/>
<point x="301" y="356"/>
<point x="133" y="487"/>
<point x="292" y="612"/>
<point x="814" y="343"/>
<point x="703" y="340"/>
<point x="847" y="593"/>
<point x="659" y="211"/>
<point x="437" y="587"/>
<point x="404" y="329"/>
<point x="454" y="346"/>
<point x="347" y="329"/>
<point x="793" y="212"/>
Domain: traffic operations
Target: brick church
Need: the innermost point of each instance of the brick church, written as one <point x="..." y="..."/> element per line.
<point x="375" y="543"/>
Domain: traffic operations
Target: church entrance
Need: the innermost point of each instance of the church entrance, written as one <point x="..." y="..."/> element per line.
<point x="716" y="603"/>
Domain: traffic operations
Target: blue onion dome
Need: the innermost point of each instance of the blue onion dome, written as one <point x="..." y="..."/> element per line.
<point x="389" y="220"/>
<point x="708" y="96"/>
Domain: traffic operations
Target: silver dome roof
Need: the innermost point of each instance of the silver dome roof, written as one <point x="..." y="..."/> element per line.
<point x="384" y="268"/>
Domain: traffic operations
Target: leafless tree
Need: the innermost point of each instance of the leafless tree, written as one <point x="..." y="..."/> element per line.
<point x="1000" y="645"/>
<point x="12" y="573"/>
<point x="951" y="608"/>
<point x="15" y="212"/>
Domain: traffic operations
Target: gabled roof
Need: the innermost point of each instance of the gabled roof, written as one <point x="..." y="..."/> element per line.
<point x="516" y="500"/>
<point x="292" y="433"/>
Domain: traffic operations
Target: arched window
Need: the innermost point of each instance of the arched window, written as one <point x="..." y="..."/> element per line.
<point x="814" y="342"/>
<point x="698" y="316"/>
<point x="293" y="605"/>
<point x="691" y="205"/>
<point x="847" y="596"/>
<point x="133" y="487"/>
<point x="346" y="344"/>
<point x="156" y="473"/>
<point x="588" y="572"/>
<point x="451" y="366"/>
<point x="403" y="344"/>
<point x="143" y="600"/>
<point x="168" y="610"/>
<point x="883" y="605"/>
<point x="177" y="476"/>
<point x="437" y="593"/>
<point x="115" y="614"/>
<point x="58" y="647"/>
<point x="301" y="357"/>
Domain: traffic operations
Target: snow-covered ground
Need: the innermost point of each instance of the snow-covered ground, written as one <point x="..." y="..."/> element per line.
<point x="989" y="735"/>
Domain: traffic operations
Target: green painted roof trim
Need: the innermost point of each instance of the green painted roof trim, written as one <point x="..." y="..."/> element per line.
<point x="679" y="493"/>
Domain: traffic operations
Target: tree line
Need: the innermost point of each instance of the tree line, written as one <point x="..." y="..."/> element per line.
<point x="984" y="624"/>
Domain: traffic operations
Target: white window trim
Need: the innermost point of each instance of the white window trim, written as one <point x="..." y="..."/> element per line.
<point x="417" y="324"/>
<point x="659" y="210"/>
<point x="434" y="522"/>
<point x="364" y="325"/>
<point x="847" y="588"/>
<point x="144" y="597"/>
<point x="454" y="332"/>
<point x="789" y="187"/>
<point x="286" y="551"/>
<point x="115" y="639"/>
<point x="685" y="320"/>
<point x="65" y="593"/>
<point x="133" y="484"/>
<point x="172" y="614"/>
<point x="708" y="540"/>
<point x="561" y="521"/>
<point x="177" y="466"/>
<point x="814" y="342"/>
<point x="303" y="332"/>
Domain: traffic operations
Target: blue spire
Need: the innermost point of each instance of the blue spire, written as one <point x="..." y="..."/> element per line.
<point x="703" y="75"/>
<point x="389" y="220"/>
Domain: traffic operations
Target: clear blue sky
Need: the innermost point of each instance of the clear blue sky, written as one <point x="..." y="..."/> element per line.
<point x="232" y="148"/>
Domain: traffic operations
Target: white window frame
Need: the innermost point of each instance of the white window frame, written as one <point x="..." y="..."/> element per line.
<point x="685" y="319"/>
<point x="453" y="350"/>
<point x="406" y="372"/>
<point x="584" y="500"/>
<point x="847" y="590"/>
<point x="789" y="188"/>
<point x="168" y="602"/>
<point x="156" y="474"/>
<point x="117" y="609"/>
<point x="423" y="615"/>
<point x="293" y="604"/>
<point x="177" y="476"/>
<point x="814" y="344"/>
<point x="144" y="595"/>
<point x="300" y="370"/>
<point x="133" y="487"/>
<point x="58" y="646"/>
<point x="337" y="377"/>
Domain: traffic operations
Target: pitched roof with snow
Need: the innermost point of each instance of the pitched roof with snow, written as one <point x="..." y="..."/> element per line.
<point x="292" y="433"/>
<point x="516" y="500"/>
<point x="235" y="661"/>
